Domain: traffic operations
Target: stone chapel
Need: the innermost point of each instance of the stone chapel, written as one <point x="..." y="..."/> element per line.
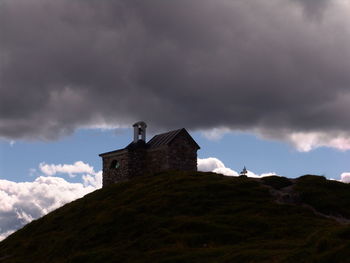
<point x="173" y="150"/>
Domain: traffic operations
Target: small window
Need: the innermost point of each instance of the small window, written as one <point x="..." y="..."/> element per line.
<point x="115" y="164"/>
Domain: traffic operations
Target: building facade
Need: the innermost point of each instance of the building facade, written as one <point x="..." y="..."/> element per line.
<point x="174" y="150"/>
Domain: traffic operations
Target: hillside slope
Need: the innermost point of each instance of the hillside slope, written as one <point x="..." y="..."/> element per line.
<point x="194" y="217"/>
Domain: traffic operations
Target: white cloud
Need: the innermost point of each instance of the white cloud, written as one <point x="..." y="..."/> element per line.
<point x="215" y="133"/>
<point x="101" y="124"/>
<point x="225" y="171"/>
<point x="345" y="177"/>
<point x="209" y="164"/>
<point x="251" y="174"/>
<point x="94" y="180"/>
<point x="5" y="234"/>
<point x="305" y="142"/>
<point x="22" y="202"/>
<point x="268" y="174"/>
<point x="302" y="141"/>
<point x="70" y="169"/>
<point x="212" y="164"/>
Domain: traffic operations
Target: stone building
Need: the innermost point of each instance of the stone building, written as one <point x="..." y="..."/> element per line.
<point x="174" y="150"/>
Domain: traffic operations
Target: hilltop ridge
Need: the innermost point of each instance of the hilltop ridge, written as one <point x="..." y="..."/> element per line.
<point x="194" y="217"/>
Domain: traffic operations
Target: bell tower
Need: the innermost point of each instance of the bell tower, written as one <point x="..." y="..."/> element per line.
<point x="140" y="131"/>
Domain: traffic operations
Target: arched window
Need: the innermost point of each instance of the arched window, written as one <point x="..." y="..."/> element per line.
<point x="115" y="164"/>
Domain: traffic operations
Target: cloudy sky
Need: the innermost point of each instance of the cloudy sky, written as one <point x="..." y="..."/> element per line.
<point x="261" y="83"/>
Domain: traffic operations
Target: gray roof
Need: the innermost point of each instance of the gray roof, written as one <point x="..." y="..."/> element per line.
<point x="156" y="141"/>
<point x="166" y="138"/>
<point x="162" y="139"/>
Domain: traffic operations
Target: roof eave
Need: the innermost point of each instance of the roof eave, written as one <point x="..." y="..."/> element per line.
<point x="112" y="152"/>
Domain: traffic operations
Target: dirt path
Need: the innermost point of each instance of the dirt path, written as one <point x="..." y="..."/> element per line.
<point x="288" y="195"/>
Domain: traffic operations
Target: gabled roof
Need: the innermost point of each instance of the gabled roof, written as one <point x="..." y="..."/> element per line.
<point x="167" y="138"/>
<point x="157" y="141"/>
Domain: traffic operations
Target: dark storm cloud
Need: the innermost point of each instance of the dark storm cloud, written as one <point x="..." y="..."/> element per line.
<point x="314" y="8"/>
<point x="263" y="65"/>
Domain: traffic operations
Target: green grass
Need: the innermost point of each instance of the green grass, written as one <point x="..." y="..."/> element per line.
<point x="189" y="217"/>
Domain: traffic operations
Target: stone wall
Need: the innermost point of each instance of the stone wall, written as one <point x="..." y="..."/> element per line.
<point x="131" y="163"/>
<point x="157" y="159"/>
<point x="111" y="174"/>
<point x="182" y="154"/>
<point x="137" y="162"/>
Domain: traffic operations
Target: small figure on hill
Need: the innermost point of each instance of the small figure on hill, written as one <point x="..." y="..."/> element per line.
<point x="244" y="172"/>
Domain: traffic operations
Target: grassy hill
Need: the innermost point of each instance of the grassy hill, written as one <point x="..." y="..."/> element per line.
<point x="194" y="217"/>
